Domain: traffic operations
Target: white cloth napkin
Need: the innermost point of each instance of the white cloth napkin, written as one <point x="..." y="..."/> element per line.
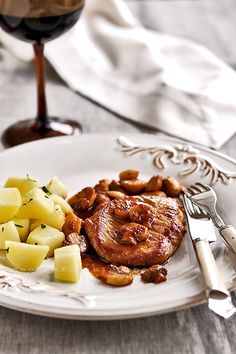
<point x="159" y="80"/>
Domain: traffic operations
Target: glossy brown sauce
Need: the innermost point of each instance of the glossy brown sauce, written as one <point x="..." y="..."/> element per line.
<point x="95" y="265"/>
<point x="101" y="269"/>
<point x="84" y="214"/>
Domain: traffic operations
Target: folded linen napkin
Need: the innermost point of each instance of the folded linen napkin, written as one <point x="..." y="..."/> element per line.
<point x="159" y="80"/>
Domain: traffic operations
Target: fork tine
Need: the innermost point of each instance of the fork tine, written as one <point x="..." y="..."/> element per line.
<point x="188" y="191"/>
<point x="186" y="199"/>
<point x="195" y="189"/>
<point x="191" y="191"/>
<point x="197" y="209"/>
<point x="203" y="186"/>
<point x="194" y="207"/>
<point x="191" y="207"/>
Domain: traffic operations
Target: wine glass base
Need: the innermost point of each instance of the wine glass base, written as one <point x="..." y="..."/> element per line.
<point x="27" y="130"/>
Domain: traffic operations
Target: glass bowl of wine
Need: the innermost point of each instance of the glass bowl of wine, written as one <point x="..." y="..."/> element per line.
<point x="37" y="22"/>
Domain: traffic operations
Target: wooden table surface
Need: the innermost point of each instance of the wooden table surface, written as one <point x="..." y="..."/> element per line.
<point x="193" y="331"/>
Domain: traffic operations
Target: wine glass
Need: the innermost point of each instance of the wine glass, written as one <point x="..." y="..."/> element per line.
<point x="37" y="22"/>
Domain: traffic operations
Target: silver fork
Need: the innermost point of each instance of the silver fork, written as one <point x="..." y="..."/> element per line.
<point x="205" y="197"/>
<point x="202" y="232"/>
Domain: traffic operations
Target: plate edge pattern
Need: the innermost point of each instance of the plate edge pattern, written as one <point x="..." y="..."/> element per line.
<point x="180" y="154"/>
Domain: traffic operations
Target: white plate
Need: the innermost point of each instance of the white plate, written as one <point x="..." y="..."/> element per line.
<point x="82" y="161"/>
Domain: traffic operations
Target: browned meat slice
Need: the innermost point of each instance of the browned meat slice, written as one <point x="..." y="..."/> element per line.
<point x="163" y="217"/>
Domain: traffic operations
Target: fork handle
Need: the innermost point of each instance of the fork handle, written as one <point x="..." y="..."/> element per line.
<point x="228" y="232"/>
<point x="214" y="286"/>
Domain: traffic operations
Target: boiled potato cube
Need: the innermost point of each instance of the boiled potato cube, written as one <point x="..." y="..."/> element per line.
<point x="8" y="232"/>
<point x="23" y="184"/>
<point x="46" y="235"/>
<point x="24" y="257"/>
<point x="66" y="208"/>
<point x="56" y="219"/>
<point x="67" y="263"/>
<point x="55" y="186"/>
<point x="35" y="204"/>
<point x="10" y="202"/>
<point x="22" y="226"/>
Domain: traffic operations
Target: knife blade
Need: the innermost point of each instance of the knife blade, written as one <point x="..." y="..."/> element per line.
<point x="200" y="228"/>
<point x="201" y="232"/>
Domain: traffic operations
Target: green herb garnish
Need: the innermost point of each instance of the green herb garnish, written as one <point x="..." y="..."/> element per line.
<point x="30" y="179"/>
<point x="18" y="225"/>
<point x="4" y="249"/>
<point x="28" y="202"/>
<point x="45" y="189"/>
<point x="43" y="226"/>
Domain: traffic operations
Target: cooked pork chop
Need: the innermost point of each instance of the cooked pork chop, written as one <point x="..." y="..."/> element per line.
<point x="137" y="230"/>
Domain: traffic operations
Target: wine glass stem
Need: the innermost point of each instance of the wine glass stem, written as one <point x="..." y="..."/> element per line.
<point x="42" y="121"/>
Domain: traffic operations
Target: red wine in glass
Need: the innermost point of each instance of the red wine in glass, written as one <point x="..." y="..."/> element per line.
<point x="37" y="22"/>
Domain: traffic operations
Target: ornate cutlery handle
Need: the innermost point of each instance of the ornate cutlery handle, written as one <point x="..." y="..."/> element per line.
<point x="228" y="232"/>
<point x="215" y="288"/>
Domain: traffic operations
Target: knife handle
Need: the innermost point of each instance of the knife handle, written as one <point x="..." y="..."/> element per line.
<point x="214" y="286"/>
<point x="228" y="233"/>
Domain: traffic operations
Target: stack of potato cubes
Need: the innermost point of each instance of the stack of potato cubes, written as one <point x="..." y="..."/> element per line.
<point x="31" y="220"/>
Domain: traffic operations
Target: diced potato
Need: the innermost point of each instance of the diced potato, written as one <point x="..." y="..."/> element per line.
<point x="25" y="257"/>
<point x="55" y="186"/>
<point x="8" y="232"/>
<point x="10" y="202"/>
<point x="46" y="235"/>
<point x="67" y="263"/>
<point x="56" y="219"/>
<point x="36" y="204"/>
<point x="22" y="226"/>
<point x="23" y="184"/>
<point x="66" y="208"/>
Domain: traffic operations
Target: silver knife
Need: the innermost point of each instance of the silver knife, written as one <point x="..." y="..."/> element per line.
<point x="202" y="232"/>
